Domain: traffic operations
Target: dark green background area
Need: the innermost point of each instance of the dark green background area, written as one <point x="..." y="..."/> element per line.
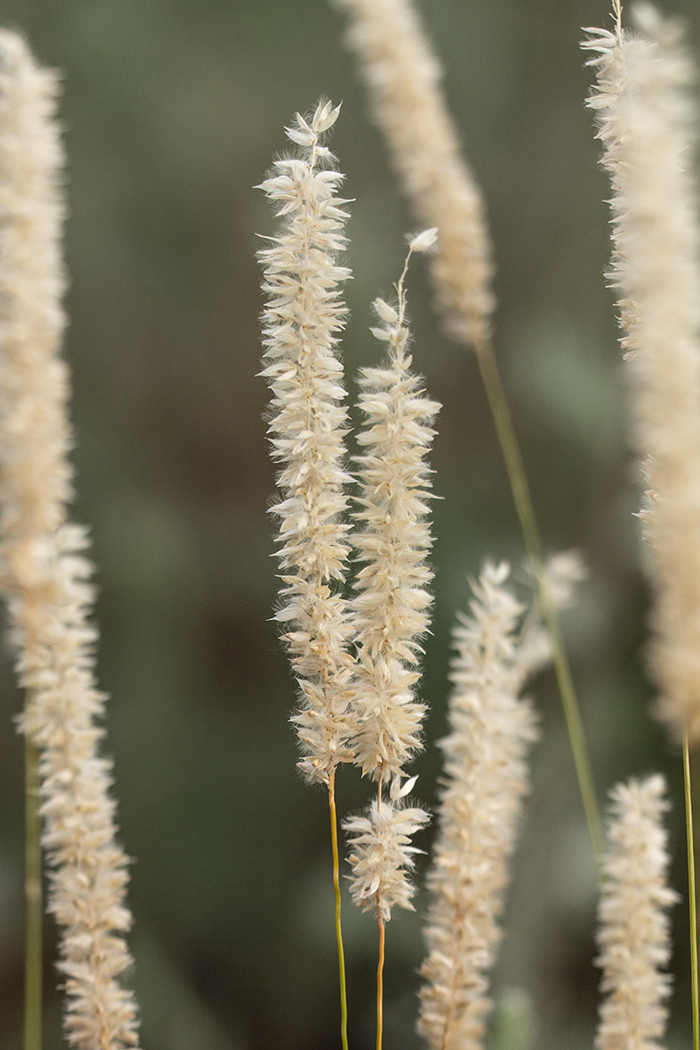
<point x="173" y="111"/>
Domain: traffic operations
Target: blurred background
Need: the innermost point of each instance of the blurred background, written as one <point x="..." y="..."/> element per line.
<point x="173" y="111"/>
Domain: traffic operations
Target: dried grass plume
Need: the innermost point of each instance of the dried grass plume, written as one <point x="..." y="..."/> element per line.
<point x="44" y="573"/>
<point x="646" y="124"/>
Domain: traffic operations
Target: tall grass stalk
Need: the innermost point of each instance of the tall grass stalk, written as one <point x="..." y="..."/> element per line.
<point x="302" y="318"/>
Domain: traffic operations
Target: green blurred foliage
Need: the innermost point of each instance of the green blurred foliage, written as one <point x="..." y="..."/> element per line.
<point x="173" y="111"/>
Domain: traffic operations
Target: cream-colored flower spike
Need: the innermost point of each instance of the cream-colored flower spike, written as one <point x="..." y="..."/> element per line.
<point x="646" y="125"/>
<point x="390" y="608"/>
<point x="403" y="78"/>
<point x="43" y="572"/>
<point x="302" y="319"/>
<point x="491" y="729"/>
<point x="634" y="926"/>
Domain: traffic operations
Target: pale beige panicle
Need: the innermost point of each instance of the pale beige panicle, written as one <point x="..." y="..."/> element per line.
<point x="491" y="729"/>
<point x="302" y="319"/>
<point x="403" y="79"/>
<point x="645" y="122"/>
<point x="45" y="576"/>
<point x="390" y="607"/>
<point x="634" y="925"/>
<point x="391" y="602"/>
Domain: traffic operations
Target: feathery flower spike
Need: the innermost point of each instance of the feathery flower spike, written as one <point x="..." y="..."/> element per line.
<point x="301" y="320"/>
<point x="633" y="934"/>
<point x="45" y="576"/>
<point x="390" y="607"/>
<point x="403" y="77"/>
<point x="390" y="613"/>
<point x="644" y="121"/>
<point x="491" y="729"/>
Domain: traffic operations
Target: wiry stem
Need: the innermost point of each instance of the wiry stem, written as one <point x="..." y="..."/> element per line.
<point x="338" y="928"/>
<point x="33" y="911"/>
<point x="380" y="980"/>
<point x="692" y="899"/>
<point x="520" y="488"/>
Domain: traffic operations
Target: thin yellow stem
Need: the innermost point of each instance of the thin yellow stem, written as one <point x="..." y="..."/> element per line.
<point x="523" y="505"/>
<point x="380" y="981"/>
<point x="338" y="929"/>
<point x="33" y="912"/>
<point x="692" y="906"/>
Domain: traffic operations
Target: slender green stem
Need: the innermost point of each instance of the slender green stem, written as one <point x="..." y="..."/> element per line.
<point x="338" y="929"/>
<point x="33" y="913"/>
<point x="692" y="906"/>
<point x="380" y="981"/>
<point x="525" y="511"/>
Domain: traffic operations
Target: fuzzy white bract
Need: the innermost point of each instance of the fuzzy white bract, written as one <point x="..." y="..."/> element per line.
<point x="302" y="319"/>
<point x="491" y="729"/>
<point x="645" y="123"/>
<point x="403" y="79"/>
<point x="44" y="574"/>
<point x="634" y="926"/>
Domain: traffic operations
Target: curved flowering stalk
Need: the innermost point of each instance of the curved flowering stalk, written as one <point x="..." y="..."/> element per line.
<point x="301" y="320"/>
<point x="44" y="575"/>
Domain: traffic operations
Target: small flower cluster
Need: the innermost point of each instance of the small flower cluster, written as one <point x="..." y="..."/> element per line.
<point x="382" y="853"/>
<point x="302" y="319"/>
